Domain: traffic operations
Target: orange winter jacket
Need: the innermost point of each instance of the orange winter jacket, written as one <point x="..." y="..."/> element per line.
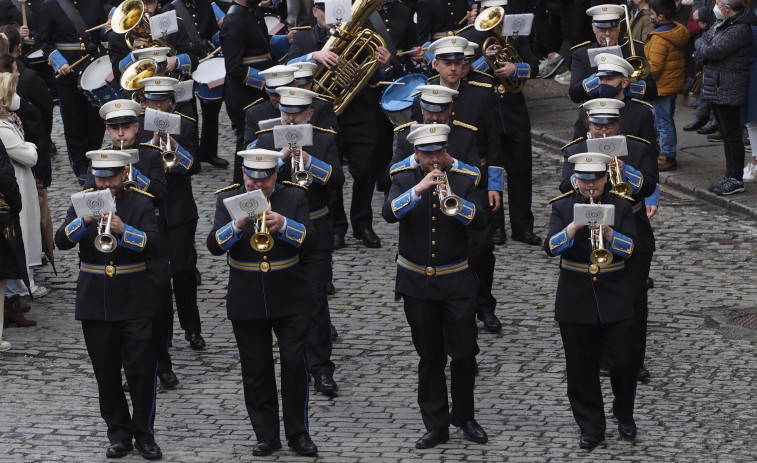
<point x="665" y="51"/>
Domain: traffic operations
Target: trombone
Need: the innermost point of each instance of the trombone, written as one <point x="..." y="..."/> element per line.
<point x="261" y="240"/>
<point x="641" y="69"/>
<point x="600" y="256"/>
<point x="170" y="157"/>
<point x="301" y="176"/>
<point x="449" y="203"/>
<point x="105" y="241"/>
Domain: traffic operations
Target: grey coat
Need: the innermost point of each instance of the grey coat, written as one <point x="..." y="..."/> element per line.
<point x="725" y="50"/>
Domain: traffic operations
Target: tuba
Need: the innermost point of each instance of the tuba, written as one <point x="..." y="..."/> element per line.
<point x="491" y="19"/>
<point x="356" y="48"/>
<point x="600" y="256"/>
<point x="105" y="241"/>
<point x="261" y="241"/>
<point x="449" y="203"/>
<point x="130" y="19"/>
<point x="137" y="71"/>
<point x="641" y="69"/>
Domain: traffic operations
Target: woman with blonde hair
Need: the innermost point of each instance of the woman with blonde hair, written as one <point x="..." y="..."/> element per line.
<point x="23" y="156"/>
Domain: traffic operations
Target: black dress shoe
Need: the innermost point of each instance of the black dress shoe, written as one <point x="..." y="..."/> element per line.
<point x="168" y="380"/>
<point x="499" y="237"/>
<point x="325" y="383"/>
<point x="368" y="237"/>
<point x="708" y="129"/>
<point x="695" y="124"/>
<point x="589" y="442"/>
<point x="338" y="241"/>
<point x="119" y="449"/>
<point x="627" y="430"/>
<point x="216" y="161"/>
<point x="473" y="432"/>
<point x="196" y="340"/>
<point x="149" y="450"/>
<point x="330" y="289"/>
<point x="432" y="438"/>
<point x="527" y="237"/>
<point x="650" y="283"/>
<point x="302" y="445"/>
<point x="266" y="447"/>
<point x="643" y="374"/>
<point x="492" y="323"/>
<point x="53" y="150"/>
<point x="334" y="333"/>
<point x="604" y="372"/>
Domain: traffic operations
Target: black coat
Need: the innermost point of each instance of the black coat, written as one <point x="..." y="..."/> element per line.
<point x="636" y="118"/>
<point x="9" y="14"/>
<point x="261" y="110"/>
<point x="258" y="295"/>
<point x="13" y="262"/>
<point x="125" y="296"/>
<point x="439" y="16"/>
<point x="399" y="24"/>
<point x="583" y="298"/>
<point x="203" y="21"/>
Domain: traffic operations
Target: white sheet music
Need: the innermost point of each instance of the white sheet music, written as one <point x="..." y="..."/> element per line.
<point x="594" y="214"/>
<point x="163" y="24"/>
<point x="517" y="25"/>
<point x="158" y="120"/>
<point x="611" y="146"/>
<point x="184" y="91"/>
<point x="93" y="203"/>
<point x="337" y="11"/>
<point x="293" y="135"/>
<point x="248" y="204"/>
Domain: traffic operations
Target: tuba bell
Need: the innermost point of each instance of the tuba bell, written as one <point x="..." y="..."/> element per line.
<point x="600" y="256"/>
<point x="641" y="68"/>
<point x="356" y="48"/>
<point x="105" y="241"/>
<point x="138" y="70"/>
<point x="491" y="19"/>
<point x="449" y="203"/>
<point x="130" y="19"/>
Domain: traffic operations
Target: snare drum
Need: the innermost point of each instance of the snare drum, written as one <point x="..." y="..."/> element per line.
<point x="274" y="25"/>
<point x="209" y="78"/>
<point x="93" y="82"/>
<point x="397" y="100"/>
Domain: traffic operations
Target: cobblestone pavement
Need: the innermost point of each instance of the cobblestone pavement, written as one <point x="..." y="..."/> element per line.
<point x="698" y="406"/>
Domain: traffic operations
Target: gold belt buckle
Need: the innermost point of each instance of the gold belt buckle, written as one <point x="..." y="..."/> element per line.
<point x="501" y="89"/>
<point x="593" y="269"/>
<point x="110" y="270"/>
<point x="265" y="267"/>
<point x="430" y="271"/>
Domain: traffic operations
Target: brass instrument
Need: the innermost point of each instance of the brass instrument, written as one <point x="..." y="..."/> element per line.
<point x="356" y="48"/>
<point x="491" y="19"/>
<point x="600" y="256"/>
<point x="136" y="71"/>
<point x="449" y="203"/>
<point x="104" y="241"/>
<point x="130" y="183"/>
<point x="131" y="20"/>
<point x="619" y="187"/>
<point x="261" y="241"/>
<point x="299" y="175"/>
<point x="641" y="69"/>
<point x="170" y="157"/>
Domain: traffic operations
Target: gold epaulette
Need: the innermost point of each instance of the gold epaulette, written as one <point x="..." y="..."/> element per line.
<point x="580" y="45"/>
<point x="482" y="73"/>
<point x="634" y="137"/>
<point x="404" y="126"/>
<point x="642" y="102"/>
<point x="564" y="195"/>
<point x="400" y="169"/>
<point x="150" y="145"/>
<point x="464" y="28"/>
<point x="264" y="131"/>
<point x="435" y="76"/>
<point x="571" y="143"/>
<point x="227" y="188"/>
<point x="321" y="129"/>
<point x="287" y="182"/>
<point x="622" y="196"/>
<point x="463" y="124"/>
<point x="300" y="28"/>
<point x="142" y="192"/>
<point x="479" y="84"/>
<point x="185" y="116"/>
<point x="252" y="104"/>
<point x="87" y="190"/>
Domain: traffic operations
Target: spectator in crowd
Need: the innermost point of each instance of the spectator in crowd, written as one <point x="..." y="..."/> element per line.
<point x="704" y="122"/>
<point x="641" y="25"/>
<point x="665" y="51"/>
<point x="750" y="113"/>
<point x="725" y="51"/>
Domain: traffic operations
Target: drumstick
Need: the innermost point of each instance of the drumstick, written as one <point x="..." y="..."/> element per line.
<point x="465" y="18"/>
<point x="23" y="14"/>
<point x="76" y="63"/>
<point x="210" y="55"/>
<point x="97" y="27"/>
<point x="407" y="52"/>
<point x="385" y="82"/>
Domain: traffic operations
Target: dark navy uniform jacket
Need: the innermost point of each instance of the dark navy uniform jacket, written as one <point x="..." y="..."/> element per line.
<point x="256" y="295"/>
<point x="582" y="297"/>
<point x="636" y="118"/>
<point x="439" y="18"/>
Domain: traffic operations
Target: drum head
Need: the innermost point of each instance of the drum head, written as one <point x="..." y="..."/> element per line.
<point x="95" y="73"/>
<point x="398" y="97"/>
<point x="273" y="24"/>
<point x="36" y="55"/>
<point x="209" y="71"/>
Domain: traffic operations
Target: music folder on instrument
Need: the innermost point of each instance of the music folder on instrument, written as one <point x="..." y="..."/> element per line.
<point x="594" y="214"/>
<point x="292" y="135"/>
<point x="613" y="50"/>
<point x="248" y="204"/>
<point x="183" y="91"/>
<point x="611" y="146"/>
<point x="337" y="11"/>
<point x="93" y="203"/>
<point x="517" y="25"/>
<point x="163" y="24"/>
<point x="269" y="123"/>
<point x="161" y="121"/>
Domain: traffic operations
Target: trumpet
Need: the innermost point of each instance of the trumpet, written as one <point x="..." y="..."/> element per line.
<point x="104" y="241"/>
<point x="130" y="183"/>
<point x="600" y="256"/>
<point x="299" y="174"/>
<point x="170" y="157"/>
<point x="449" y="203"/>
<point x="261" y="241"/>
<point x="619" y="187"/>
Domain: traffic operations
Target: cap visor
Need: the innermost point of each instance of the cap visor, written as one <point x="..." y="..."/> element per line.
<point x="157" y="96"/>
<point x="450" y="56"/>
<point x="304" y="80"/>
<point x="603" y="119"/>
<point x="608" y="72"/>
<point x="590" y="175"/>
<point x="121" y="120"/>
<point x="606" y="24"/>
<point x="292" y="109"/>
<point x="258" y="173"/>
<point x="434" y="107"/>
<point x="107" y="171"/>
<point x="430" y="147"/>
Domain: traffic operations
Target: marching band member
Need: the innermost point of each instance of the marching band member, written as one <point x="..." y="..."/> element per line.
<point x="323" y="108"/>
<point x="261" y="298"/>
<point x="440" y="18"/>
<point x="115" y="305"/>
<point x="321" y="161"/>
<point x="592" y="306"/>
<point x="435" y="281"/>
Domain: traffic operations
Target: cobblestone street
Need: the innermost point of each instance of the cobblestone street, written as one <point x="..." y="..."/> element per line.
<point x="700" y="405"/>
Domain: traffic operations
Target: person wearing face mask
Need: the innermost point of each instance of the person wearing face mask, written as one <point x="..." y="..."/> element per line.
<point x="725" y="50"/>
<point x="641" y="25"/>
<point x="584" y="83"/>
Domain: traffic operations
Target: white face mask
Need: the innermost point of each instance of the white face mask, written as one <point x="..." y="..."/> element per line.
<point x="718" y="13"/>
<point x="15" y="102"/>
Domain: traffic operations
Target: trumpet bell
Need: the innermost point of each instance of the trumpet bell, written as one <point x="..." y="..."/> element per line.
<point x="131" y="185"/>
<point x="105" y="242"/>
<point x="601" y="257"/>
<point x="451" y="205"/>
<point x="622" y="189"/>
<point x="137" y="71"/>
<point x="489" y="18"/>
<point x="261" y="242"/>
<point x="170" y="159"/>
<point x="302" y="178"/>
